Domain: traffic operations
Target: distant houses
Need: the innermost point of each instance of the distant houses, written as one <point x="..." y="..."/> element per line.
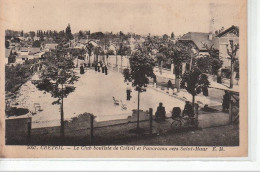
<point x="28" y="53"/>
<point x="48" y="46"/>
<point x="219" y="42"/>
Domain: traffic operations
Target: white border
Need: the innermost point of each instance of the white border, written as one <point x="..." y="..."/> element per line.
<point x="252" y="163"/>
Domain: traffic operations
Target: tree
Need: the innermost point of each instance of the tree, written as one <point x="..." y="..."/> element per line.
<point x="7" y="44"/>
<point x="81" y="35"/>
<point x="141" y="67"/>
<point x="32" y="34"/>
<point x="109" y="52"/>
<point x="123" y="50"/>
<point x="11" y="58"/>
<point x="58" y="78"/>
<point x="232" y="51"/>
<point x="165" y="37"/>
<point x="194" y="81"/>
<point x="177" y="53"/>
<point x="36" y="43"/>
<point x="215" y="63"/>
<point x="204" y="63"/>
<point x="68" y="33"/>
<point x="98" y="51"/>
<point x="89" y="48"/>
<point x="172" y="36"/>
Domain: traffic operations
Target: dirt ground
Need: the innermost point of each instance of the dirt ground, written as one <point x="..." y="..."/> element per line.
<point x="214" y="136"/>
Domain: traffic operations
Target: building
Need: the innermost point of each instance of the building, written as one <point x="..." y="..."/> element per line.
<point x="197" y="40"/>
<point x="28" y="53"/>
<point x="49" y="46"/>
<point x="230" y="34"/>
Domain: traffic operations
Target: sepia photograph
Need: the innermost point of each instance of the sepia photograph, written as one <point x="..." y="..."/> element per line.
<point x="133" y="76"/>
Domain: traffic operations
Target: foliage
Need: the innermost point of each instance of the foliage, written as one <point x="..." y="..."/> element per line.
<point x="11" y="58"/>
<point x="214" y="63"/>
<point x="194" y="81"/>
<point x="110" y="52"/>
<point x="58" y="76"/>
<point x="17" y="75"/>
<point x="69" y="35"/>
<point x="172" y="36"/>
<point x="236" y="66"/>
<point x="89" y="48"/>
<point x="7" y="44"/>
<point x="126" y="73"/>
<point x="36" y="43"/>
<point x="209" y="65"/>
<point x="123" y="50"/>
<point x="142" y="65"/>
<point x="204" y="64"/>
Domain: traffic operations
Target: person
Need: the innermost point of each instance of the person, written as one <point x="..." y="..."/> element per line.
<point x="176" y="112"/>
<point x="95" y="66"/>
<point x="81" y="69"/>
<point x="128" y="91"/>
<point x="205" y="91"/>
<point x="225" y="104"/>
<point x="160" y="112"/>
<point x="188" y="109"/>
<point x="154" y="81"/>
<point x="98" y="66"/>
<point x="105" y="69"/>
<point x="219" y="76"/>
<point x="169" y="84"/>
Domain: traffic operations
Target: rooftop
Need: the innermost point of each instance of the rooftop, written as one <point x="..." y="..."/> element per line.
<point x="201" y="38"/>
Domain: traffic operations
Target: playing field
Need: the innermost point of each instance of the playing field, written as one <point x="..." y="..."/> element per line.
<point x="94" y="94"/>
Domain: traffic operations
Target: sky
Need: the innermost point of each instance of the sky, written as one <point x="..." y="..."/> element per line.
<point x="140" y="16"/>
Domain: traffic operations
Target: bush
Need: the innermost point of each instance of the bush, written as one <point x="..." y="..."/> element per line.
<point x="226" y="73"/>
<point x="17" y="75"/>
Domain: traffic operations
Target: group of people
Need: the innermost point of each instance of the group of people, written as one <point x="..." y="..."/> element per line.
<point x="160" y="113"/>
<point x="101" y="67"/>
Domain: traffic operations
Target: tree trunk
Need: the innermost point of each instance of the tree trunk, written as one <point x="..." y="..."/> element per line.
<point x="138" y="105"/>
<point x="193" y="103"/>
<point x="177" y="77"/>
<point x="190" y="63"/>
<point x="177" y="82"/>
<point x="116" y="59"/>
<point x="121" y="64"/>
<point x="61" y="115"/>
<point x="89" y="60"/>
<point x="160" y="68"/>
<point x="231" y="75"/>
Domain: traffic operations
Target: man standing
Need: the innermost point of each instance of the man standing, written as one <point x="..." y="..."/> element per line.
<point x="128" y="91"/>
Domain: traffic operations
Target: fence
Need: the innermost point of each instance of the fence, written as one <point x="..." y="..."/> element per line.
<point x="84" y="130"/>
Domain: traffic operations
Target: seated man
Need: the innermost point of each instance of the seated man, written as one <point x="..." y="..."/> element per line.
<point x="160" y="113"/>
<point x="176" y="112"/>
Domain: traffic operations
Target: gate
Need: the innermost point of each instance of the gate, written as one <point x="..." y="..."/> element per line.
<point x="234" y="107"/>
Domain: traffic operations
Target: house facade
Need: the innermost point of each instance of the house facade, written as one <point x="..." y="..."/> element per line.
<point x="230" y="34"/>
